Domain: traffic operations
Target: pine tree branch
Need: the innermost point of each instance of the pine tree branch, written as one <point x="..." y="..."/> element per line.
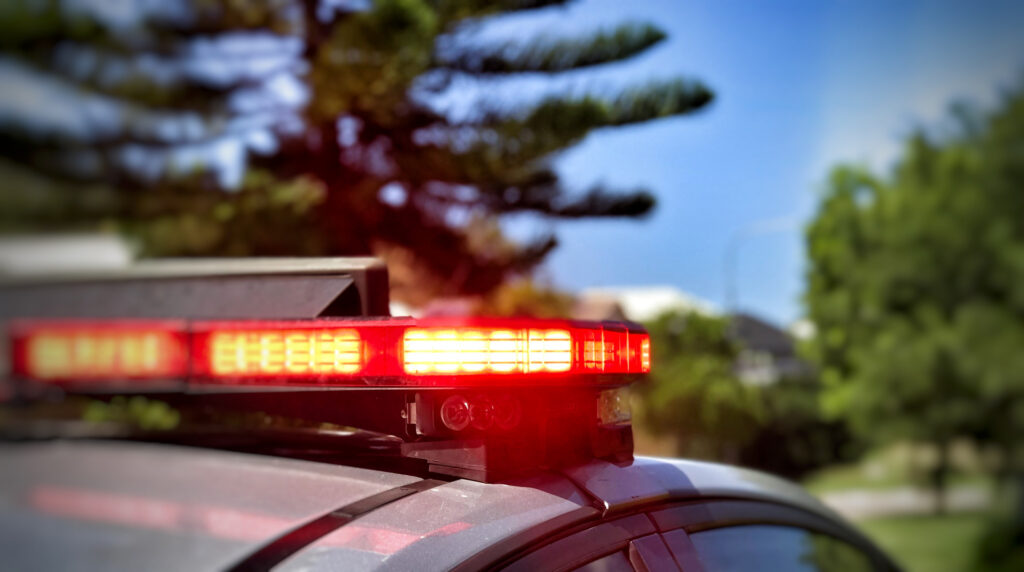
<point x="456" y="11"/>
<point x="136" y="83"/>
<point x="559" y="122"/>
<point x="106" y="159"/>
<point x="634" y="105"/>
<point x="105" y="122"/>
<point x="473" y="167"/>
<point x="659" y="100"/>
<point x="599" y="202"/>
<point x="26" y="24"/>
<point x="551" y="200"/>
<point x="131" y="132"/>
<point x="561" y="55"/>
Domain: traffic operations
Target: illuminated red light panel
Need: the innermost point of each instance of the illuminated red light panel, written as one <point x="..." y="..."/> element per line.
<point x="486" y="350"/>
<point x="94" y="351"/>
<point x="285" y="352"/>
<point x="645" y="353"/>
<point x="393" y="352"/>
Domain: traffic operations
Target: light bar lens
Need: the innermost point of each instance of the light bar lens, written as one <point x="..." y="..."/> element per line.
<point x="645" y="354"/>
<point x="93" y="352"/>
<point x="290" y="352"/>
<point x="342" y="353"/>
<point x="486" y="350"/>
<point x="613" y="351"/>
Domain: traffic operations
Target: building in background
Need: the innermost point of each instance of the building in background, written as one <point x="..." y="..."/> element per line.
<point x="768" y="352"/>
<point x="637" y="303"/>
<point x="48" y="254"/>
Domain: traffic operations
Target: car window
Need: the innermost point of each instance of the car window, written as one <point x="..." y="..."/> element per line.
<point x="770" y="547"/>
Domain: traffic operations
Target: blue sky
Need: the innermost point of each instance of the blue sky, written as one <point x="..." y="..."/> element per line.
<point x="801" y="86"/>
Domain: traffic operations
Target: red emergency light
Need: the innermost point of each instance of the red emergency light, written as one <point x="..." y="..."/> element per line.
<point x="287" y="352"/>
<point x="81" y="351"/>
<point x="330" y="353"/>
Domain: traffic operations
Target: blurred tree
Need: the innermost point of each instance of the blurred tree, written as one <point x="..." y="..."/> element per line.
<point x="137" y="116"/>
<point x="793" y="436"/>
<point x="526" y="297"/>
<point x="694" y="395"/>
<point x="692" y="392"/>
<point x="113" y="109"/>
<point x="914" y="287"/>
<point x="1001" y="545"/>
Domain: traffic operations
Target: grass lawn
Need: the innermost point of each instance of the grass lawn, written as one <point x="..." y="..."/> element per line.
<point x="928" y="543"/>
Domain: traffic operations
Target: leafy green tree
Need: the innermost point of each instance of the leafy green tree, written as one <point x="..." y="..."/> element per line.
<point x="341" y="105"/>
<point x="793" y="435"/>
<point x="695" y="395"/>
<point x="692" y="392"/>
<point x="913" y="284"/>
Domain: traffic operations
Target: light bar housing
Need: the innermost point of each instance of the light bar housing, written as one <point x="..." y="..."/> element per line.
<point x="328" y="353"/>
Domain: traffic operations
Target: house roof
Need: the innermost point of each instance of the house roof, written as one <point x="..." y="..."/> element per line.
<point x="759" y="335"/>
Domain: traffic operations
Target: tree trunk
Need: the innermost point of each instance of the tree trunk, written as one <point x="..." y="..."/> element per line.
<point x="940" y="476"/>
<point x="1016" y="467"/>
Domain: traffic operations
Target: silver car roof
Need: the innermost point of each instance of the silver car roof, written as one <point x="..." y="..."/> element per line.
<point x="446" y="525"/>
<point x="117" y="505"/>
<point x="111" y="505"/>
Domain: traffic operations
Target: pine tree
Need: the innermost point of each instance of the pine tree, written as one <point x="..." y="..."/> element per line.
<point x="364" y="161"/>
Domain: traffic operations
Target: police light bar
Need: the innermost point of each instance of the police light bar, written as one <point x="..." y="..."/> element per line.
<point x="400" y="353"/>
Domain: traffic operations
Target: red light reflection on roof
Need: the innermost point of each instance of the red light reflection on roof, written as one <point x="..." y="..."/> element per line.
<point x="107" y="507"/>
<point x="143" y="512"/>
<point x="385" y="541"/>
<point x="212" y="520"/>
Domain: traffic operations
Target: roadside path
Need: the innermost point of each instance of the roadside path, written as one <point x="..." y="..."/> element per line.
<point x="859" y="504"/>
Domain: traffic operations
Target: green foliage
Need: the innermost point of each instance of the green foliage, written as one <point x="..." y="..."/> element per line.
<point x="136" y="411"/>
<point x="692" y="392"/>
<point x="794" y="437"/>
<point x="369" y="129"/>
<point x="914" y="287"/>
<point x="264" y="216"/>
<point x="1001" y="546"/>
<point x="370" y="61"/>
<point x="561" y="54"/>
<point x="694" y="395"/>
<point x="928" y="543"/>
<point x="526" y="298"/>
